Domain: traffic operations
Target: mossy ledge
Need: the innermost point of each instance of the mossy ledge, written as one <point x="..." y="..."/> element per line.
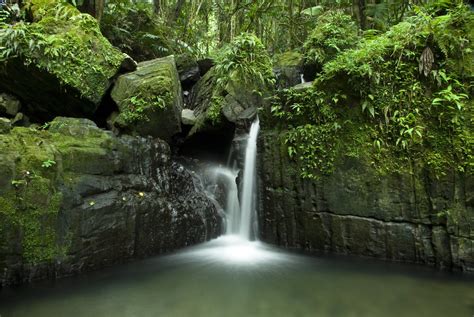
<point x="76" y="198"/>
<point x="60" y="64"/>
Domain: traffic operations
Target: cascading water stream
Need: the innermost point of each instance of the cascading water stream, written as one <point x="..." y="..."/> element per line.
<point x="228" y="177"/>
<point x="236" y="247"/>
<point x="239" y="213"/>
<point x="248" y="197"/>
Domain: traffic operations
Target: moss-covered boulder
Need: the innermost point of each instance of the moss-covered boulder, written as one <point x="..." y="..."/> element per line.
<point x="150" y="99"/>
<point x="216" y="110"/>
<point x="60" y="64"/>
<point x="288" y="69"/>
<point x="235" y="87"/>
<point x="76" y="198"/>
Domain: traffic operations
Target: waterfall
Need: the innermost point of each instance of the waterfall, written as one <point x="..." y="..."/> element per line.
<point x="238" y="246"/>
<point x="248" y="197"/>
<point x="223" y="187"/>
<point x="227" y="177"/>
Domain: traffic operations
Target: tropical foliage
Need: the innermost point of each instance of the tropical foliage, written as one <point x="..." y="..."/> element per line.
<point x="406" y="89"/>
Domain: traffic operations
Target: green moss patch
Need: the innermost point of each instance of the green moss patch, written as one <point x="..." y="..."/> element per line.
<point x="38" y="161"/>
<point x="66" y="44"/>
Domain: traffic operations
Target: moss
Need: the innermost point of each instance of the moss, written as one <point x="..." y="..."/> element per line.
<point x="39" y="222"/>
<point x="32" y="211"/>
<point x="154" y="95"/>
<point x="29" y="209"/>
<point x="214" y="112"/>
<point x="67" y="44"/>
<point x="32" y="206"/>
<point x="185" y="61"/>
<point x="288" y="59"/>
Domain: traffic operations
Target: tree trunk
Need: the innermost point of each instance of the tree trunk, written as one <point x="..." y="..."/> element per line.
<point x="157" y="6"/>
<point x="362" y="16"/>
<point x="93" y="7"/>
<point x="177" y="10"/>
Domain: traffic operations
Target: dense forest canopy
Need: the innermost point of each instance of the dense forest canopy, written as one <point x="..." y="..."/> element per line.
<point x="201" y="26"/>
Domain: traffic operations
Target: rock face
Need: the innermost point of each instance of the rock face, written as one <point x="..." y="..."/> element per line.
<point x="5" y="125"/>
<point x="409" y="218"/>
<point x="238" y="105"/>
<point x="188" y="70"/>
<point x="9" y="105"/>
<point x="150" y="99"/>
<point x="70" y="69"/>
<point x="288" y="69"/>
<point x="76" y="198"/>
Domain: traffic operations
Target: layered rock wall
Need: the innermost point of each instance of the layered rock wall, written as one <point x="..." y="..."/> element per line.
<point x="76" y="198"/>
<point x="356" y="210"/>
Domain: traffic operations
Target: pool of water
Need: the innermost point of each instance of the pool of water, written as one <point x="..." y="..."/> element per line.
<point x="232" y="277"/>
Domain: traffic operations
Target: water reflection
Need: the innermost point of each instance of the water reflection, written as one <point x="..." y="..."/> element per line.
<point x="233" y="277"/>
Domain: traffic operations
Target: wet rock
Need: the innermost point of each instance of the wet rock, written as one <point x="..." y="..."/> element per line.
<point x="303" y="86"/>
<point x="9" y="105"/>
<point x="87" y="199"/>
<point x="463" y="253"/>
<point x="355" y="210"/>
<point x="149" y="100"/>
<point x="188" y="117"/>
<point x="5" y="125"/>
<point x="288" y="69"/>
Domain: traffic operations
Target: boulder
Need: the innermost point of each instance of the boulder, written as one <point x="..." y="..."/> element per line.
<point x="20" y="120"/>
<point x="201" y="93"/>
<point x="238" y="106"/>
<point x="149" y="100"/>
<point x="303" y="86"/>
<point x="288" y="69"/>
<point x="5" y="125"/>
<point x="188" y="117"/>
<point x="188" y="70"/>
<point x="62" y="66"/>
<point x="240" y="103"/>
<point x="9" y="105"/>
<point x="75" y="198"/>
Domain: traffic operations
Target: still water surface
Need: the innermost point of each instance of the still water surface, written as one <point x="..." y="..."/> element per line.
<point x="232" y="277"/>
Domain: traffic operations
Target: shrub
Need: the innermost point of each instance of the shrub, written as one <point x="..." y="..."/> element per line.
<point x="134" y="29"/>
<point x="335" y="32"/>
<point x="407" y="92"/>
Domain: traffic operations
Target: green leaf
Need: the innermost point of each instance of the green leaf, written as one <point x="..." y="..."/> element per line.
<point x="372" y="111"/>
